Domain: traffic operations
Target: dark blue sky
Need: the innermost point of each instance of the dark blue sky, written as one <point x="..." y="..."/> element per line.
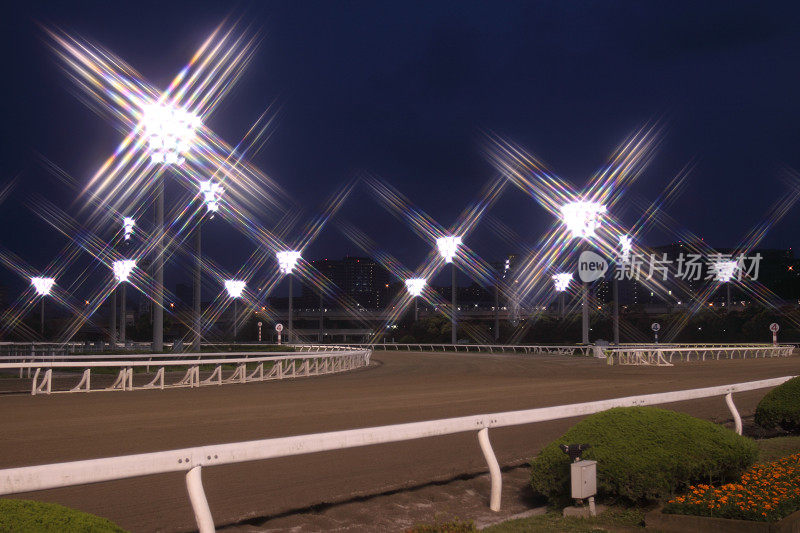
<point x="405" y="89"/>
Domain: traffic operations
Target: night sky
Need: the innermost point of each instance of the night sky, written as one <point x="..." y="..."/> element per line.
<point x="406" y="91"/>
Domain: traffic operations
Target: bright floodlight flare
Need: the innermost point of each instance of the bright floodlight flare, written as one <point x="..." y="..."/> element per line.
<point x="287" y="260"/>
<point x="415" y="286"/>
<point x="170" y="132"/>
<point x="582" y="218"/>
<point x="625" y="245"/>
<point x="127" y="225"/>
<point x="725" y="270"/>
<point x="448" y="247"/>
<point x="123" y="269"/>
<point x="234" y="287"/>
<point x="211" y="194"/>
<point x="562" y="281"/>
<point x="42" y="285"/>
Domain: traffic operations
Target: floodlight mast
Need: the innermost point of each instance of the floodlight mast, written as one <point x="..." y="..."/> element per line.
<point x="724" y="272"/>
<point x="210" y="193"/>
<point x="415" y="287"/>
<point x="448" y="249"/>
<point x="122" y="270"/>
<point x="582" y="219"/>
<point x="625" y="247"/>
<point x="561" y="281"/>
<point x="287" y="260"/>
<point x="234" y="288"/>
<point x="170" y="132"/>
<point x="43" y="286"/>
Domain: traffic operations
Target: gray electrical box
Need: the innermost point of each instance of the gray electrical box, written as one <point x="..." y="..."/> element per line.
<point x="584" y="479"/>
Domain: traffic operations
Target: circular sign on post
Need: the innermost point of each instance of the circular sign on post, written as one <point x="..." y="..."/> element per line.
<point x="278" y="327"/>
<point x="774" y="327"/>
<point x="655" y="326"/>
<point x="259" y="324"/>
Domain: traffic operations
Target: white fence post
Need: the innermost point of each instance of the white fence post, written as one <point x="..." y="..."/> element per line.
<point x="202" y="513"/>
<point x="494" y="469"/>
<point x="737" y="420"/>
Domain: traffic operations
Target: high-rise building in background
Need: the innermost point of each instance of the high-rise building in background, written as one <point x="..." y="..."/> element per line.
<point x="359" y="278"/>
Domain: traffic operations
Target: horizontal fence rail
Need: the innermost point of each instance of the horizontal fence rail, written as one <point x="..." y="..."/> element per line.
<point x="192" y="460"/>
<point x="262" y="367"/>
<point x="663" y="355"/>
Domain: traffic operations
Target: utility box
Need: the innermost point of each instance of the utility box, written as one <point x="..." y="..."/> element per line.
<point x="584" y="479"/>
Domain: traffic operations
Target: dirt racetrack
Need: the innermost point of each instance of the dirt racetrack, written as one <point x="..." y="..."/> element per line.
<point x="399" y="387"/>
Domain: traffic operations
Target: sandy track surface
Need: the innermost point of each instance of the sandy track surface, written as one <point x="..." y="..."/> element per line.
<point x="400" y="387"/>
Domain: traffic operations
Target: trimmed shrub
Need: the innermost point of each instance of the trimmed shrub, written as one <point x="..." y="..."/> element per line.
<point x="30" y="516"/>
<point x="780" y="407"/>
<point x="644" y="454"/>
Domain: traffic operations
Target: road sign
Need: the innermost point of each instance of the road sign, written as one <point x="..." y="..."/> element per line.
<point x="774" y="327"/>
<point x="655" y="326"/>
<point x="278" y="327"/>
<point x="259" y="331"/>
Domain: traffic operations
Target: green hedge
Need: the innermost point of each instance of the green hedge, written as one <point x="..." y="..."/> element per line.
<point x="780" y="407"/>
<point x="23" y="516"/>
<point x="644" y="454"/>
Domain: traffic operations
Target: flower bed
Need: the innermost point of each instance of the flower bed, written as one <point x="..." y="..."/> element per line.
<point x="765" y="493"/>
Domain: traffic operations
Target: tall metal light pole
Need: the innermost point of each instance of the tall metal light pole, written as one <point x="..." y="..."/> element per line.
<point x="724" y="274"/>
<point x="43" y="286"/>
<point x="122" y="271"/>
<point x="211" y="193"/>
<point x="561" y="281"/>
<point x="582" y="218"/>
<point x="234" y="288"/>
<point x="625" y="245"/>
<point x="170" y="131"/>
<point x="128" y="223"/>
<point x="415" y="287"/>
<point x="448" y="248"/>
<point x="287" y="259"/>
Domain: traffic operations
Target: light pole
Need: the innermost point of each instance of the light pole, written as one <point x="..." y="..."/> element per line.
<point x="211" y="192"/>
<point x="582" y="218"/>
<point x="725" y="271"/>
<point x="561" y="281"/>
<point x="170" y="131"/>
<point x="122" y="270"/>
<point x="625" y="246"/>
<point x="234" y="288"/>
<point x="415" y="286"/>
<point x="448" y="248"/>
<point x="43" y="287"/>
<point x="287" y="259"/>
<point x="128" y="223"/>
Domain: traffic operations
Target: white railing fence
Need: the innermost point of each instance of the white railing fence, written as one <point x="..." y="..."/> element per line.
<point x="193" y="460"/>
<point x="663" y="355"/>
<point x="262" y="367"/>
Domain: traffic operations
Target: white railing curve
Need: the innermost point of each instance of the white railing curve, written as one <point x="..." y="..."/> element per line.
<point x="192" y="460"/>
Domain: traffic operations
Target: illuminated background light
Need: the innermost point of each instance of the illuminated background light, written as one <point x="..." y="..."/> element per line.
<point x="42" y="285"/>
<point x="170" y="132"/>
<point x="127" y="225"/>
<point x="415" y="286"/>
<point x="287" y="260"/>
<point x="211" y="194"/>
<point x="562" y="281"/>
<point x="582" y="218"/>
<point x="235" y="287"/>
<point x="123" y="269"/>
<point x="448" y="247"/>
<point x="625" y="245"/>
<point x="725" y="270"/>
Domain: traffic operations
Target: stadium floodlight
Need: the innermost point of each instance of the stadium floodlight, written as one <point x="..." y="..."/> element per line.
<point x="235" y="287"/>
<point x="211" y="194"/>
<point x="170" y="132"/>
<point x="415" y="286"/>
<point x="42" y="285"/>
<point x="725" y="270"/>
<point x="562" y="281"/>
<point x="127" y="225"/>
<point x="625" y="246"/>
<point x="582" y="218"/>
<point x="287" y="260"/>
<point x="123" y="269"/>
<point x="448" y="247"/>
